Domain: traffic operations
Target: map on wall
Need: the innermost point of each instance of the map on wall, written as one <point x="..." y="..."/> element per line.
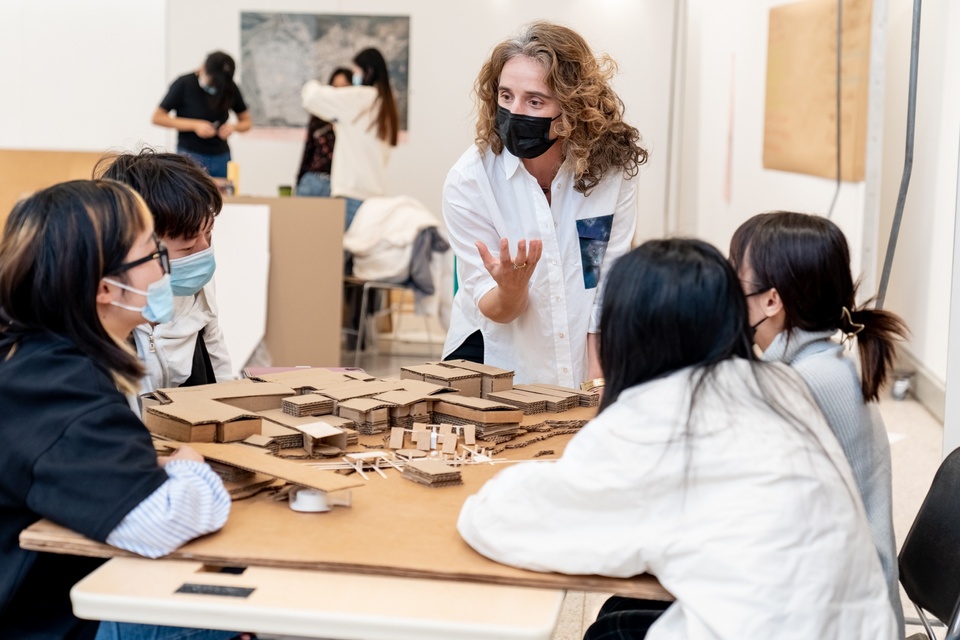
<point x="279" y="52"/>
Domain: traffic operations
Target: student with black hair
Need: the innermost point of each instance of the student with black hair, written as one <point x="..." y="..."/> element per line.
<point x="80" y="267"/>
<point x="795" y="272"/>
<point x="202" y="101"/>
<point x="366" y="124"/>
<point x="189" y="349"/>
<point x="313" y="178"/>
<point x="705" y="468"/>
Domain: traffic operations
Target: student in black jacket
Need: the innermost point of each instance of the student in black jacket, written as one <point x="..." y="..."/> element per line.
<point x="80" y="267"/>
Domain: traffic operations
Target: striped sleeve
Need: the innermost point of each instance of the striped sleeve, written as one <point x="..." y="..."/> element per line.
<point x="191" y="503"/>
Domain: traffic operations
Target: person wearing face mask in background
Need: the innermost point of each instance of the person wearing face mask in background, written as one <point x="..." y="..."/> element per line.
<point x="540" y="208"/>
<point x="188" y="348"/>
<point x="366" y="125"/>
<point x="202" y="101"/>
<point x="314" y="176"/>
<point x="80" y="267"/>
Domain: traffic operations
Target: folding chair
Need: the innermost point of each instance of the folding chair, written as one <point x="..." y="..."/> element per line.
<point x="367" y="322"/>
<point x="930" y="556"/>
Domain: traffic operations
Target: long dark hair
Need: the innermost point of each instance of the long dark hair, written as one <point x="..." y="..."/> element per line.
<point x="668" y="305"/>
<point x="57" y="245"/>
<point x="375" y="74"/>
<point x="180" y="193"/>
<point x="674" y="304"/>
<point x="220" y="67"/>
<point x="806" y="259"/>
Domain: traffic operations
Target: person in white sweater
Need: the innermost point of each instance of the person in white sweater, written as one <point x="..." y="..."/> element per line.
<point x="705" y="468"/>
<point x="795" y="271"/>
<point x="366" y="124"/>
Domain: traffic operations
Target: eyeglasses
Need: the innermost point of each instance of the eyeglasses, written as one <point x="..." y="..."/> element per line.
<point x="160" y="254"/>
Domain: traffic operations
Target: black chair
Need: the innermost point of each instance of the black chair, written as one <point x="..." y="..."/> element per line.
<point x="930" y="556"/>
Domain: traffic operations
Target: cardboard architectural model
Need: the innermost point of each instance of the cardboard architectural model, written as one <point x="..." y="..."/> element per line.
<point x="434" y="411"/>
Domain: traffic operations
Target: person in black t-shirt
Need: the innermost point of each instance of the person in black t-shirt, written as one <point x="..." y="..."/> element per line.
<point x="202" y="101"/>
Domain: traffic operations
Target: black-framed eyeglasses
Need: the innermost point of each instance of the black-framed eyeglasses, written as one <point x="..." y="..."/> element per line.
<point x="160" y="254"/>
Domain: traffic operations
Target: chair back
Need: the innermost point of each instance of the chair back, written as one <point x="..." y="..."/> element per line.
<point x="930" y="556"/>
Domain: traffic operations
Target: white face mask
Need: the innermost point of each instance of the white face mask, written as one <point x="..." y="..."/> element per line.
<point x="159" y="295"/>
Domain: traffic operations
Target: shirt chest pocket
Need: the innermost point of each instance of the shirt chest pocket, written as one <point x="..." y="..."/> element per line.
<point x="594" y="234"/>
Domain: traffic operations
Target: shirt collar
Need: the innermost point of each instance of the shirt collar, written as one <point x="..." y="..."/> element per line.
<point x="511" y="164"/>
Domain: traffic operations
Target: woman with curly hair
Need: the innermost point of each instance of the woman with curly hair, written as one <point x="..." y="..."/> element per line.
<point x="540" y="207"/>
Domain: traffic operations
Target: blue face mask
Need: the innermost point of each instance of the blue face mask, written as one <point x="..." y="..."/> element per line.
<point x="189" y="275"/>
<point x="357" y="78"/>
<point x="159" y="297"/>
<point x="209" y="88"/>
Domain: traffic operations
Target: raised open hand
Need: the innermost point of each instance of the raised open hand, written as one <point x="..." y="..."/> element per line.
<point x="512" y="274"/>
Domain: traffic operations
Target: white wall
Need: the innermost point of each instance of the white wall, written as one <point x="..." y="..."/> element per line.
<point x="81" y="76"/>
<point x="725" y="72"/>
<point x="921" y="276"/>
<point x="448" y="43"/>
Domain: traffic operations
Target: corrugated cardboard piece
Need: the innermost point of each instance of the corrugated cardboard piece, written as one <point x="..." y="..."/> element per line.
<point x="465" y="381"/>
<point x="493" y="378"/>
<point x="224" y="412"/>
<point x="246" y="458"/>
<point x="478" y="410"/>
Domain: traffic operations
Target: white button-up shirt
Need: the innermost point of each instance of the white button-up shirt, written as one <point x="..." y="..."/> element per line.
<point x="488" y="197"/>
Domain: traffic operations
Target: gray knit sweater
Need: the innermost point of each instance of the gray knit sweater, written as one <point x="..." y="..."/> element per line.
<point x="835" y="384"/>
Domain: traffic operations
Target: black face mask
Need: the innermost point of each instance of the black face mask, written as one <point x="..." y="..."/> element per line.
<point x="524" y="136"/>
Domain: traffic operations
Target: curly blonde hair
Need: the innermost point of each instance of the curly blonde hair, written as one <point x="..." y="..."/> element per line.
<point x="595" y="137"/>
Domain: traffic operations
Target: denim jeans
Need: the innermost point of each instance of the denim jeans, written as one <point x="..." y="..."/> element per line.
<point x="314" y="184"/>
<point x="216" y="165"/>
<point x="130" y="631"/>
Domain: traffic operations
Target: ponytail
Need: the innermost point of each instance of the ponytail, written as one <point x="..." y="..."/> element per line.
<point x="876" y="332"/>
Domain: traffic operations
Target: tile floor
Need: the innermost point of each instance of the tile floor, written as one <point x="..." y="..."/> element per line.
<point x="915" y="444"/>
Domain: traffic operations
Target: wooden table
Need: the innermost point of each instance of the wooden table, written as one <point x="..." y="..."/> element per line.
<point x="395" y="529"/>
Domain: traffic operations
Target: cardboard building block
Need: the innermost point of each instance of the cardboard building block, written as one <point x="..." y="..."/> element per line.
<point x="464" y="381"/>
<point x="478" y="410"/>
<point x="201" y="420"/>
<point x="493" y="378"/>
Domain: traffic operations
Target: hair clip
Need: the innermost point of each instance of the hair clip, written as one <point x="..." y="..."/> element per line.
<point x="855" y="326"/>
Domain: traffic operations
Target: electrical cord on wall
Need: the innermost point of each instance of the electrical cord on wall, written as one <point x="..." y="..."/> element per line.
<point x="908" y="156"/>
<point x="836" y="192"/>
